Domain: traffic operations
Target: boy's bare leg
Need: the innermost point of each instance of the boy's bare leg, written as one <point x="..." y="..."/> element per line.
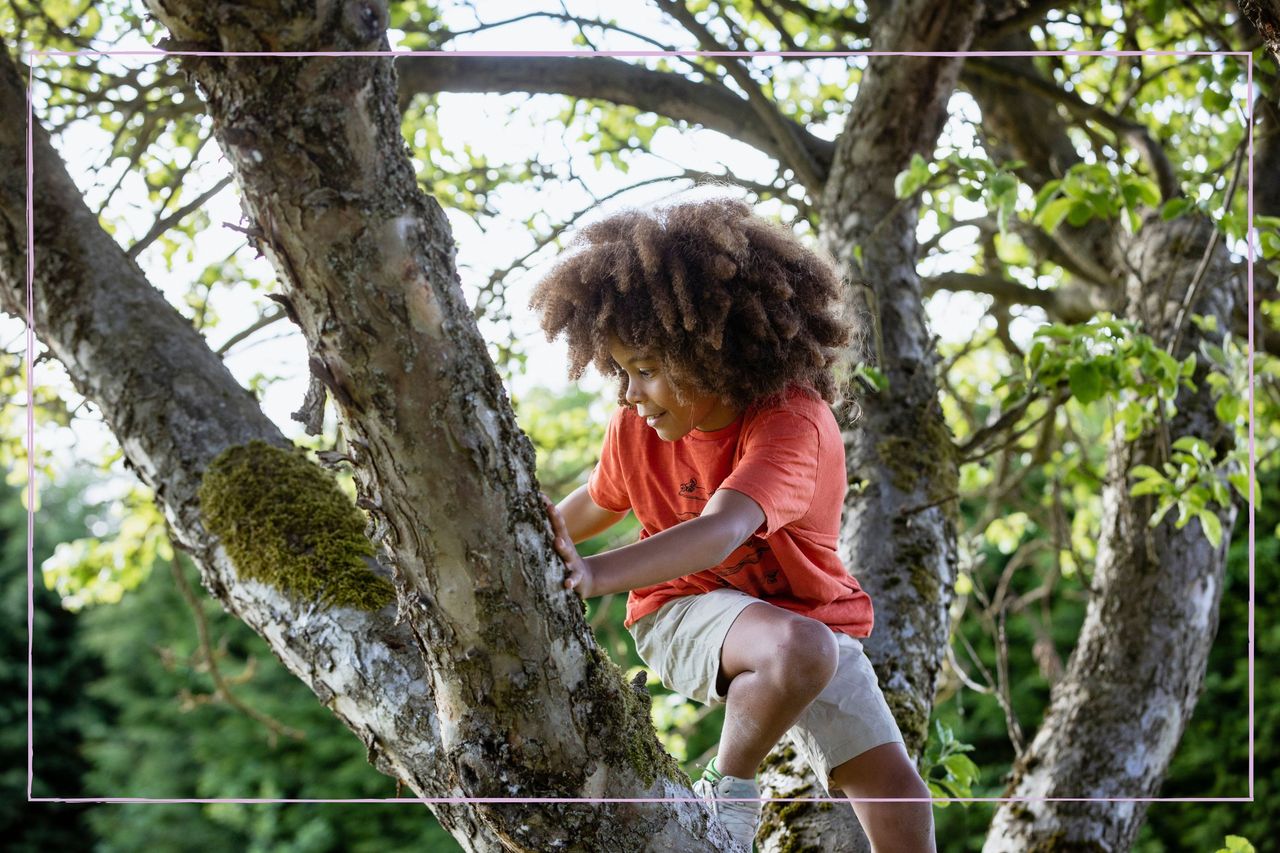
<point x="775" y="663"/>
<point x="887" y="771"/>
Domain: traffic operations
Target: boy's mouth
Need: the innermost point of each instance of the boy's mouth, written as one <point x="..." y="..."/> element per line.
<point x="653" y="419"/>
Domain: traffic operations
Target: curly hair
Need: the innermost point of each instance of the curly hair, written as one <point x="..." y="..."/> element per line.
<point x="730" y="304"/>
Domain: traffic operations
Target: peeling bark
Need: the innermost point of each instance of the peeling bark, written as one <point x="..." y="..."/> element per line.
<point x="1116" y="716"/>
<point x="1265" y="17"/>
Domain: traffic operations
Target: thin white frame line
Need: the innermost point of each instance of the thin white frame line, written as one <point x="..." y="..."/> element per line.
<point x="161" y="54"/>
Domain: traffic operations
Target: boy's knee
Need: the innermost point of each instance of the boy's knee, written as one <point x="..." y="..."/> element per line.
<point x="808" y="654"/>
<point x="884" y="771"/>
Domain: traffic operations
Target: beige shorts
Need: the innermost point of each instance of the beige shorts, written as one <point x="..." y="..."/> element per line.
<point x="681" y="642"/>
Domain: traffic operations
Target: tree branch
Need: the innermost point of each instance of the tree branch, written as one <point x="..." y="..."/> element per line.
<point x="1067" y="303"/>
<point x="671" y="95"/>
<point x="164" y="223"/>
<point x="1265" y="17"/>
<point x="785" y="133"/>
<point x="1136" y="133"/>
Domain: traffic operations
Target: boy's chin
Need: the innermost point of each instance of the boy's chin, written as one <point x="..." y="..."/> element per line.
<point x="667" y="434"/>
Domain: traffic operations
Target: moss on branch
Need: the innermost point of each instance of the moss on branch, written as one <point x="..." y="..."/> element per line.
<point x="285" y="522"/>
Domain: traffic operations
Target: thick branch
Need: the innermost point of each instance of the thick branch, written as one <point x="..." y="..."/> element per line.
<point x="1131" y="685"/>
<point x="174" y="407"/>
<point x="707" y="104"/>
<point x="1067" y="303"/>
<point x="1265" y="17"/>
<point x="529" y="706"/>
<point x="901" y="446"/>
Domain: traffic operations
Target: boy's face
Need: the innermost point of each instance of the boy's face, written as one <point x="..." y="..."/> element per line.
<point x="655" y="399"/>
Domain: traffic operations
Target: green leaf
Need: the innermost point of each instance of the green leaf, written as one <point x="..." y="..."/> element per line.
<point x="1048" y="191"/>
<point x="1086" y="382"/>
<point x="1270" y="244"/>
<point x="1080" y="213"/>
<point x="1053" y="214"/>
<point x="1148" y="487"/>
<point x="1212" y="527"/>
<point x="1240" y="481"/>
<point x="1227" y="408"/>
<point x="962" y="769"/>
<point x="1175" y="207"/>
<point x="942" y="793"/>
<point x="1215" y="101"/>
<point x="912" y="178"/>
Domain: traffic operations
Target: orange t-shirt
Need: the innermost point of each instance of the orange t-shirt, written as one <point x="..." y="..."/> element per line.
<point x="789" y="459"/>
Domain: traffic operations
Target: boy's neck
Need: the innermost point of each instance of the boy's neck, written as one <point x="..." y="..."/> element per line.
<point x="718" y="418"/>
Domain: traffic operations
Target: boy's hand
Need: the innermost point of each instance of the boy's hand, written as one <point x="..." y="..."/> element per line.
<point x="579" y="577"/>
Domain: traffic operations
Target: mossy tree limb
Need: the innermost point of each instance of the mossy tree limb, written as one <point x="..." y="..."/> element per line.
<point x="175" y="408"/>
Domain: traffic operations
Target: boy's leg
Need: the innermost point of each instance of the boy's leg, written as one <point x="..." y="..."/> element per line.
<point x="772" y="665"/>
<point x="887" y="771"/>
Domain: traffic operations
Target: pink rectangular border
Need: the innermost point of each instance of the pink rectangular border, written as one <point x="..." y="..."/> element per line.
<point x="30" y="343"/>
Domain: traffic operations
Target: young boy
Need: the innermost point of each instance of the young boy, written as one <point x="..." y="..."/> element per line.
<point x="722" y="331"/>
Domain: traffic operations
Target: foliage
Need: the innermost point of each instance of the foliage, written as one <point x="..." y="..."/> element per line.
<point x="62" y="715"/>
<point x="946" y="769"/>
<point x="174" y="738"/>
<point x="100" y="569"/>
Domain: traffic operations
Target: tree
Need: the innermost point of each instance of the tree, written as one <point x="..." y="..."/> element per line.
<point x="366" y="263"/>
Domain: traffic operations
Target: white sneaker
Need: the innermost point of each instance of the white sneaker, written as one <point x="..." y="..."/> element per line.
<point x="740" y="818"/>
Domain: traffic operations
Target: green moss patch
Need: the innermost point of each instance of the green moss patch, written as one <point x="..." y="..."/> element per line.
<point x="621" y="707"/>
<point x="285" y="522"/>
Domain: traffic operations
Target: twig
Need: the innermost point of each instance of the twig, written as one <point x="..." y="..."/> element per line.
<point x="163" y="224"/>
<point x="261" y="323"/>
<point x="798" y="157"/>
<point x="1188" y="298"/>
<point x="222" y="691"/>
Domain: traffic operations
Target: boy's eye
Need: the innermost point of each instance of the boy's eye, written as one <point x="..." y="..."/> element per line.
<point x="644" y="374"/>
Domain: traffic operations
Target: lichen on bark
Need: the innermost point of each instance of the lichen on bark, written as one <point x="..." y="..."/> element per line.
<point x="285" y="522"/>
<point x="626" y="710"/>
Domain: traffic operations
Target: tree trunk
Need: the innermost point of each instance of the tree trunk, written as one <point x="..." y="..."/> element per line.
<point x="899" y="533"/>
<point x="493" y="687"/>
<point x="1265" y="17"/>
<point x="174" y="406"/>
<point x="1118" y="713"/>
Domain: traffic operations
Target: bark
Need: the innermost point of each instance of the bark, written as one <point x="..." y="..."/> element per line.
<point x="899" y="532"/>
<point x="668" y="94"/>
<point x="174" y="406"/>
<point x="1067" y="303"/>
<point x="1265" y="17"/>
<point x="1118" y="713"/>
<point x="492" y="687"/>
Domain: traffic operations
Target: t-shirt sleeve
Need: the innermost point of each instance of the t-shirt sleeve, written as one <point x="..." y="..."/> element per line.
<point x="778" y="468"/>
<point x="607" y="484"/>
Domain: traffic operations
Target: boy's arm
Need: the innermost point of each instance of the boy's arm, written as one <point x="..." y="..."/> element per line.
<point x="583" y="518"/>
<point x="728" y="520"/>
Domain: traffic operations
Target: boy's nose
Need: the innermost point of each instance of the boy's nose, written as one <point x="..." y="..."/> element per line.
<point x="633" y="393"/>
